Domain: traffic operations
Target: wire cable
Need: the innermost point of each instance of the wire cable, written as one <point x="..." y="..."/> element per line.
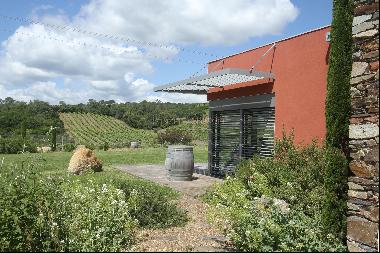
<point x="115" y="51"/>
<point x="103" y="35"/>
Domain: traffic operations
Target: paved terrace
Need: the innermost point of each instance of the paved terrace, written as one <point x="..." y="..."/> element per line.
<point x="157" y="173"/>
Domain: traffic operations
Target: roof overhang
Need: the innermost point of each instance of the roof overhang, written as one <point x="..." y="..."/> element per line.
<point x="201" y="84"/>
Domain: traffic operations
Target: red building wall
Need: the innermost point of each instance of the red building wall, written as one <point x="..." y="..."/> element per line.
<point x="300" y="67"/>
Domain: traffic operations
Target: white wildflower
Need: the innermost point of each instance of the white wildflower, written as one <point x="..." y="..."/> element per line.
<point x="119" y="192"/>
<point x="104" y="188"/>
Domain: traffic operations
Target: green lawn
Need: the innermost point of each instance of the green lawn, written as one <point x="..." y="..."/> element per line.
<point x="60" y="160"/>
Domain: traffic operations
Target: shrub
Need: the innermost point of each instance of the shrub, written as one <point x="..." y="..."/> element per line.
<point x="94" y="212"/>
<point x="97" y="217"/>
<point x="40" y="213"/>
<point x="174" y="136"/>
<point x="154" y="206"/>
<point x="15" y="144"/>
<point x="297" y="176"/>
<point x="255" y="226"/>
<point x="268" y="229"/>
<point x="105" y="146"/>
<point x="69" y="147"/>
<point x="198" y="130"/>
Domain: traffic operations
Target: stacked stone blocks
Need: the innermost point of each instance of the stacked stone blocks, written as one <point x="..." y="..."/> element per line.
<point x="363" y="193"/>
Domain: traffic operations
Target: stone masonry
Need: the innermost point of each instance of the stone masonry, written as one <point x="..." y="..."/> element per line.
<point x="363" y="193"/>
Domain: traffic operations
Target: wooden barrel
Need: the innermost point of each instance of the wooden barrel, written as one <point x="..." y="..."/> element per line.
<point x="134" y="144"/>
<point x="179" y="163"/>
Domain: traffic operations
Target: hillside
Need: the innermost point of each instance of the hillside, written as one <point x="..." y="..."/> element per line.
<point x="96" y="130"/>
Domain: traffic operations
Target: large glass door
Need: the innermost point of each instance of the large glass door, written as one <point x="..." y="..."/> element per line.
<point x="239" y="134"/>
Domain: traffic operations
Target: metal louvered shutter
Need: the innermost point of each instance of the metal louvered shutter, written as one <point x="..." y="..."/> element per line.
<point x="258" y="132"/>
<point x="225" y="141"/>
<point x="239" y="134"/>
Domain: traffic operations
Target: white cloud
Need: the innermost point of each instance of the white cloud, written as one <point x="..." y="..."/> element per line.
<point x="194" y="21"/>
<point x="46" y="91"/>
<point x="41" y="52"/>
<point x="52" y="65"/>
<point x="34" y="55"/>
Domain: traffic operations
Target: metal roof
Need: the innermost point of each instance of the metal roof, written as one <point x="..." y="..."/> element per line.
<point x="220" y="78"/>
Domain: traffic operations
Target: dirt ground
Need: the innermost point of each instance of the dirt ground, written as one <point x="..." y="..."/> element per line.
<point x="197" y="236"/>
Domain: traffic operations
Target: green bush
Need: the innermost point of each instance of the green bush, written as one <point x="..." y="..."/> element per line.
<point x="15" y="144"/>
<point x="297" y="176"/>
<point x="69" y="147"/>
<point x="255" y="225"/>
<point x="198" y="130"/>
<point x="105" y="146"/>
<point x="40" y="213"/>
<point x="174" y="136"/>
<point x="97" y="218"/>
<point x="94" y="212"/>
<point x="154" y="206"/>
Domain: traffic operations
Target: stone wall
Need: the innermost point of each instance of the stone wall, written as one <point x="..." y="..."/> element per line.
<point x="363" y="193"/>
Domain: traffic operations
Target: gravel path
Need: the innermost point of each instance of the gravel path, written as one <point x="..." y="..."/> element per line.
<point x="198" y="235"/>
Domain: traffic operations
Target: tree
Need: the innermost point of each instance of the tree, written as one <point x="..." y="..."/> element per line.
<point x="53" y="131"/>
<point x="338" y="100"/>
<point x="338" y="108"/>
<point x="23" y="129"/>
<point x="9" y="100"/>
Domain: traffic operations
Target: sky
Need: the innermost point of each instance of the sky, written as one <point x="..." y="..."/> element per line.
<point x="76" y="50"/>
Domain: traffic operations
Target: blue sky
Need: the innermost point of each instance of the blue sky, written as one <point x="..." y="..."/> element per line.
<point x="35" y="67"/>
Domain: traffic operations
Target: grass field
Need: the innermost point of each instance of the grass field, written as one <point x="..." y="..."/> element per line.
<point x="59" y="160"/>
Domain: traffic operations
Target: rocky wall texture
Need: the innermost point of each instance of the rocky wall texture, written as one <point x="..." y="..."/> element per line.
<point x="363" y="193"/>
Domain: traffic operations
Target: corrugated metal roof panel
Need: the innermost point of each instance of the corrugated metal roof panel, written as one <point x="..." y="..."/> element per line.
<point x="221" y="78"/>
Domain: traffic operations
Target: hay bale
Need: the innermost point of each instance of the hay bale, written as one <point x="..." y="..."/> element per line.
<point x="83" y="160"/>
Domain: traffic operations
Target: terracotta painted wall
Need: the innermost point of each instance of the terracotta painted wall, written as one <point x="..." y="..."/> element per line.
<point x="300" y="67"/>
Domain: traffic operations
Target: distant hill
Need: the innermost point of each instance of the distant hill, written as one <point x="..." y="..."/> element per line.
<point x="95" y="130"/>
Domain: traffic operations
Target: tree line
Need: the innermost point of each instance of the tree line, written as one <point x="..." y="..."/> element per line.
<point x="37" y="117"/>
